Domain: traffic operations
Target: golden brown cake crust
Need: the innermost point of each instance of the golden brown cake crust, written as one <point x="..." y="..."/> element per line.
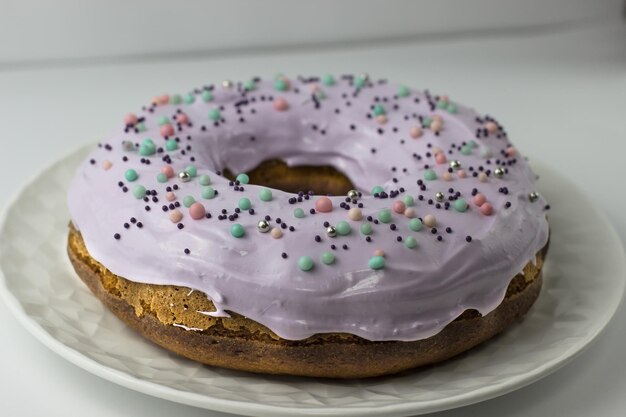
<point x="242" y="344"/>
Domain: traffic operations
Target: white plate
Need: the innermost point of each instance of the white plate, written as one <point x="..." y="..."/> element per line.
<point x="584" y="282"/>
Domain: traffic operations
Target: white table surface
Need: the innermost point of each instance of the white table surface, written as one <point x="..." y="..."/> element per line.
<point x="560" y="93"/>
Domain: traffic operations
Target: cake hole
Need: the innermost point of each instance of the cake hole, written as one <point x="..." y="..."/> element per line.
<point x="322" y="180"/>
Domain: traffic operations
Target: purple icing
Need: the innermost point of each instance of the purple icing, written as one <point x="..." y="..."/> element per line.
<point x="419" y="290"/>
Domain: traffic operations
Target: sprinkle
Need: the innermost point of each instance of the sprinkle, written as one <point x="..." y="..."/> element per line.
<point x="130" y="119"/>
<point x="379" y="252"/>
<point x="430" y="175"/>
<point x="208" y="192"/>
<point x="168" y="171"/>
<point x="243" y="178"/>
<point x="161" y="177"/>
<point x="468" y="239"/>
<point x="207" y="96"/>
<point x="280" y="104"/>
<point x="139" y="191"/>
<point x="237" y="230"/>
<point x="147" y="148"/>
<point x="176" y="216"/>
<point x="165" y="131"/>
<point x="479" y="199"/>
<point x="409" y="201"/>
<point x="482" y="177"/>
<point x="131" y="175"/>
<point x="486" y="209"/>
<point x="377" y="262"/>
<point x="276" y="233"/>
<point x="281" y="83"/>
<point x="409" y="213"/>
<point x="415" y="225"/>
<point x="415" y="132"/>
<point x="377" y="190"/>
<point x="379" y="110"/>
<point x="430" y="220"/>
<point x="188" y="201"/>
<point x="197" y="211"/>
<point x="384" y="215"/>
<point x="399" y="206"/>
<point x="204" y="180"/>
<point x="440" y="158"/>
<point x="191" y="170"/>
<point x="491" y="127"/>
<point x="265" y="194"/>
<point x="171" y="145"/>
<point x="410" y="242"/>
<point x="355" y="214"/>
<point x="466" y="150"/>
<point x="460" y="205"/>
<point x="106" y="165"/>
<point x="328" y="258"/>
<point x="249" y="85"/>
<point x="117" y="236"/>
<point x="298" y="213"/>
<point x="366" y="228"/>
<point x="403" y="91"/>
<point x="244" y="203"/>
<point x="328" y="80"/>
<point x="461" y="174"/>
<point x="324" y="205"/>
<point x="343" y="228"/>
<point x="305" y="263"/>
<point x="214" y="114"/>
<point x="361" y="80"/>
<point x="170" y="196"/>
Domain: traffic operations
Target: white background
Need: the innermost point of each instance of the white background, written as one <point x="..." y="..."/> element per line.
<point x="560" y="91"/>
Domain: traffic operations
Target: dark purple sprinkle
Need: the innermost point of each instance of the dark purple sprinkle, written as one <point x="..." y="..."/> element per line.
<point x="284" y="255"/>
<point x="126" y="225"/>
<point x="333" y="247"/>
<point x="117" y="236"/>
<point x="439" y="238"/>
<point x="318" y="238"/>
<point x="187" y="251"/>
<point x="345" y="247"/>
<point x="133" y="220"/>
<point x="468" y="239"/>
<point x="448" y="230"/>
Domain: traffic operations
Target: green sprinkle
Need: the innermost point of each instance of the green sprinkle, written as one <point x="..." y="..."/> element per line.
<point x="359" y="81"/>
<point x="472" y="144"/>
<point x="188" y="201"/>
<point x="377" y="190"/>
<point x="298" y="213"/>
<point x="343" y="228"/>
<point x="204" y="180"/>
<point x="139" y="191"/>
<point x="366" y="228"/>
<point x="409" y="200"/>
<point x="280" y="84"/>
<point x="171" y="145"/>
<point x="466" y="150"/>
<point x="189" y="98"/>
<point x="328" y="258"/>
<point x="410" y="242"/>
<point x="161" y="177"/>
<point x="163" y="120"/>
<point x="403" y="91"/>
<point x="384" y="215"/>
<point x="442" y="104"/>
<point x="320" y="94"/>
<point x="141" y="127"/>
<point x="147" y="148"/>
<point x="191" y="170"/>
<point x="379" y="110"/>
<point x="244" y="203"/>
<point x="426" y="122"/>
<point x="243" y="178"/>
<point x="415" y="225"/>
<point x="207" y="96"/>
<point x="131" y="175"/>
<point x="452" y="108"/>
<point x="486" y="152"/>
<point x="176" y="99"/>
<point x="328" y="80"/>
<point x="460" y="205"/>
<point x="249" y="85"/>
<point x="377" y="262"/>
<point x="305" y="263"/>
<point x="430" y="175"/>
<point x="237" y="230"/>
<point x="208" y="192"/>
<point x="214" y="114"/>
<point x="265" y="194"/>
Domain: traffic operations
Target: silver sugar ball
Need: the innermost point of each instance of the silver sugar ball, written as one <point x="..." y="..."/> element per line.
<point x="498" y="172"/>
<point x="353" y="194"/>
<point x="184" y="176"/>
<point x="534" y="196"/>
<point x="331" y="231"/>
<point x="263" y="226"/>
<point x="439" y="196"/>
<point x="227" y="84"/>
<point x="454" y="164"/>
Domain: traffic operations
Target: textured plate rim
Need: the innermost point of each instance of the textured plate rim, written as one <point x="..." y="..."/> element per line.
<point x="248" y="408"/>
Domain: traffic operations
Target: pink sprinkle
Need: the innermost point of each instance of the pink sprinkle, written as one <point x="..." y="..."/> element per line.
<point x="447" y="176"/>
<point x="399" y="207"/>
<point x="170" y="196"/>
<point x="430" y="221"/>
<point x="182" y="118"/>
<point x="486" y="209"/>
<point x="314" y="88"/>
<point x="410" y="212"/>
<point x="163" y="99"/>
<point x="197" y="211"/>
<point x="415" y="132"/>
<point x="381" y="119"/>
<point x="441" y="158"/>
<point x="480" y="199"/>
<point x="280" y="104"/>
<point x="461" y="174"/>
<point x="491" y="127"/>
<point x="176" y="216"/>
<point x="130" y="119"/>
<point x="168" y="171"/>
<point x="166" y="130"/>
<point x="510" y="151"/>
<point x="324" y="205"/>
<point x="276" y="233"/>
<point x="106" y="165"/>
<point x="444" y="98"/>
<point x="436" y="118"/>
<point x="355" y="214"/>
<point x="379" y="252"/>
<point x="435" y="126"/>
